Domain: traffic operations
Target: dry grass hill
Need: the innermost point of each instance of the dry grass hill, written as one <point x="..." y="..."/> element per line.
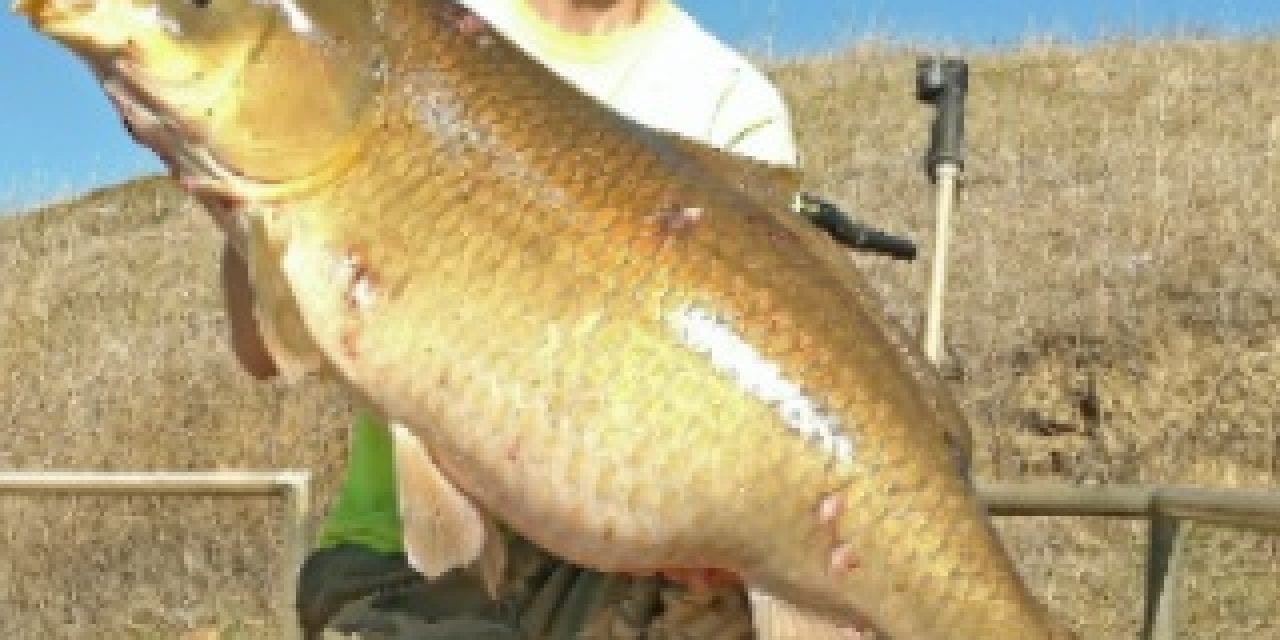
<point x="1115" y="317"/>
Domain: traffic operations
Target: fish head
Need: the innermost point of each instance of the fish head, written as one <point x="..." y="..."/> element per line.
<point x="256" y="92"/>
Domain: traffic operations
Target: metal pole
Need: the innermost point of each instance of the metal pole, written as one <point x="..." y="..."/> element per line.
<point x="943" y="84"/>
<point x="180" y="483"/>
<point x="938" y="282"/>
<point x="1164" y="560"/>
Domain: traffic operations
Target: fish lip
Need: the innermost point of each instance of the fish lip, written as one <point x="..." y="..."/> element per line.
<point x="37" y="11"/>
<point x="28" y="8"/>
<point x="179" y="145"/>
<point x="62" y="20"/>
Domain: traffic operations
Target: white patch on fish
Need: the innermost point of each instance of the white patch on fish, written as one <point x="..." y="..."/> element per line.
<point x="344" y="268"/>
<point x="762" y="378"/>
<point x="363" y="293"/>
<point x="299" y="21"/>
<point x="439" y="109"/>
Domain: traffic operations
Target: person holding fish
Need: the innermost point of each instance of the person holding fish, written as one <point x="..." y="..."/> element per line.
<point x="606" y="337"/>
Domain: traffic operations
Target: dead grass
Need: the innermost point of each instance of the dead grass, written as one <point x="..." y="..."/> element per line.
<point x="1113" y="319"/>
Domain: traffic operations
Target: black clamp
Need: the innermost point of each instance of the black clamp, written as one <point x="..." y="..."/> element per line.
<point x="943" y="83"/>
<point x="849" y="232"/>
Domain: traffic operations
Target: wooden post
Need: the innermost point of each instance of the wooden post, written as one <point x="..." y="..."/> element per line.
<point x="1164" y="560"/>
<point x="1251" y="509"/>
<point x="297" y="495"/>
<point x="938" y="283"/>
<point x="942" y="83"/>
<point x="776" y="619"/>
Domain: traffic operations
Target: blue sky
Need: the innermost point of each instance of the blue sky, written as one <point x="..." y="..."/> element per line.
<point x="58" y="136"/>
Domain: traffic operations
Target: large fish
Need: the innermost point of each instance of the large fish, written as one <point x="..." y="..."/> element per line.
<point x="587" y="330"/>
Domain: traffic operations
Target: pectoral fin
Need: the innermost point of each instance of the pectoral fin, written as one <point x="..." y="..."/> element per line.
<point x="492" y="565"/>
<point x="282" y="344"/>
<point x="280" y="325"/>
<point x="443" y="529"/>
<point x="775" y="619"/>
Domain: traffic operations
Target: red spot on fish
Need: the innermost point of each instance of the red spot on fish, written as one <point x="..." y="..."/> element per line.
<point x="831" y="508"/>
<point x="466" y="22"/>
<point x="843" y="559"/>
<point x="676" y="221"/>
<point x="222" y="206"/>
<point x="471" y="24"/>
<point x="351" y="342"/>
<point x="362" y="283"/>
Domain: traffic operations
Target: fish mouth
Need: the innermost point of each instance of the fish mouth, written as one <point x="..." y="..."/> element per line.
<point x="84" y="27"/>
<point x="38" y="11"/>
<point x="78" y="24"/>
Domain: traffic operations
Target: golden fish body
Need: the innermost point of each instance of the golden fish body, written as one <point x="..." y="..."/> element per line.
<point x="593" y="334"/>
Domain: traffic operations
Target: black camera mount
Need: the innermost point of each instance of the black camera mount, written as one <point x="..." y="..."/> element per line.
<point x="944" y="83"/>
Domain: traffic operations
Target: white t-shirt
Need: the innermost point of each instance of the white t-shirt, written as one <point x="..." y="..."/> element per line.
<point x="666" y="73"/>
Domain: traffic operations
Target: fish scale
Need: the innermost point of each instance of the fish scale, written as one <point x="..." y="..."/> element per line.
<point x="606" y="337"/>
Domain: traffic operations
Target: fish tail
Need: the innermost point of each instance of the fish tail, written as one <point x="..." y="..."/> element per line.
<point x="927" y="564"/>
